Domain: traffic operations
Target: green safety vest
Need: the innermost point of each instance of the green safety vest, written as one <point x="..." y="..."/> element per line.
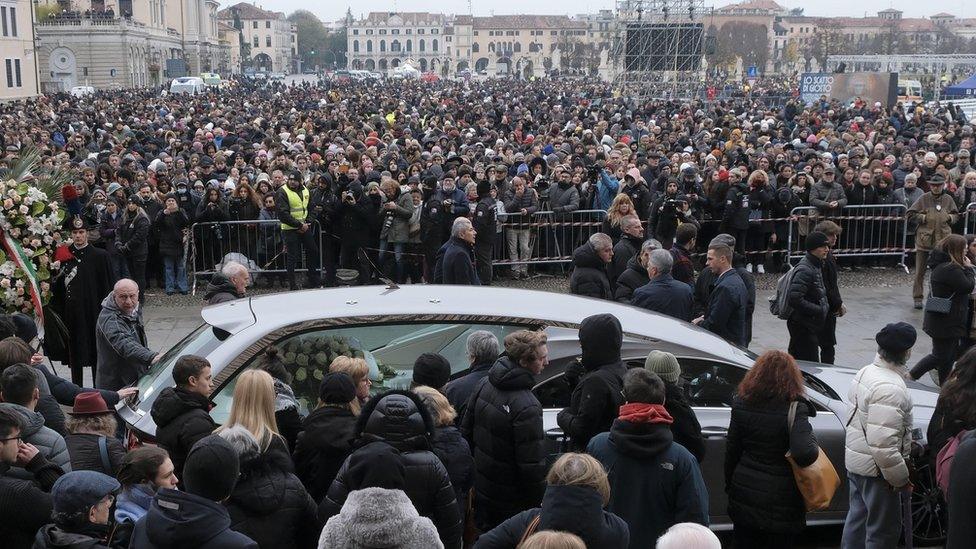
<point x="298" y="205"/>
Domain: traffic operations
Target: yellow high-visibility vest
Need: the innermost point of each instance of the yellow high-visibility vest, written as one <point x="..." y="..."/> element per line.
<point x="298" y="205"/>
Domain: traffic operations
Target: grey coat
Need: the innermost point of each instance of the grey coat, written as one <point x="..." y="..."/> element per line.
<point x="823" y="193"/>
<point x="121" y="342"/>
<point x="399" y="231"/>
<point x="49" y="442"/>
<point x="377" y="517"/>
<point x="564" y="200"/>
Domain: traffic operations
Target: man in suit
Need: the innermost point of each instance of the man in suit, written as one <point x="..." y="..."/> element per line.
<point x="726" y="312"/>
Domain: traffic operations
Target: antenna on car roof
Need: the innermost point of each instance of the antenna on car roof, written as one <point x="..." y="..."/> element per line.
<point x="390" y="285"/>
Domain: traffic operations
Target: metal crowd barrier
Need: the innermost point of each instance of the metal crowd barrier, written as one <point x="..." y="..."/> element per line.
<point x="257" y="244"/>
<point x="866" y="231"/>
<point x="544" y="237"/>
<point x="969" y="219"/>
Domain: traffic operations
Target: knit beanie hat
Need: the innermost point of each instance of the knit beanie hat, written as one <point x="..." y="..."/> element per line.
<point x="211" y="468"/>
<point x="336" y="388"/>
<point x="432" y="370"/>
<point x="665" y="365"/>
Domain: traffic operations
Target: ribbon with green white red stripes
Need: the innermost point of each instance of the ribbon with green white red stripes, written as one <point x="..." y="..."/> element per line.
<point x="16" y="253"/>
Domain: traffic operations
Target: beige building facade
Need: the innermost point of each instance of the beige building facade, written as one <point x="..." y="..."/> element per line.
<point x="18" y="69"/>
<point x="271" y="40"/>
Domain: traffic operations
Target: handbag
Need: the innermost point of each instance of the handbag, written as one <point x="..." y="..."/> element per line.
<point x="818" y="481"/>
<point x="938" y="305"/>
<point x="530" y="529"/>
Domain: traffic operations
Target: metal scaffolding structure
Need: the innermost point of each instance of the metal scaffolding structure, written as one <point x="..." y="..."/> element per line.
<point x="936" y="64"/>
<point x="658" y="48"/>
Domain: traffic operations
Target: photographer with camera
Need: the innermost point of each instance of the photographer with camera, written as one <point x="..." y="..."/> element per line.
<point x="296" y="229"/>
<point x="666" y="213"/>
<point x="323" y="204"/>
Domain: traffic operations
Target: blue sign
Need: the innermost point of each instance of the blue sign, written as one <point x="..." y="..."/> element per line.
<point x="752" y="71"/>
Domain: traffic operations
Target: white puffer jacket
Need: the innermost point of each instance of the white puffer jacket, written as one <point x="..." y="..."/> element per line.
<point x="879" y="435"/>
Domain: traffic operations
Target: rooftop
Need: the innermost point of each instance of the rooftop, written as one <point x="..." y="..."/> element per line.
<point x="248" y="11"/>
<point x="753" y="5"/>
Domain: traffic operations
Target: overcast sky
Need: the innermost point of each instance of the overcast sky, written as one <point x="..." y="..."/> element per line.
<point x="330" y="11"/>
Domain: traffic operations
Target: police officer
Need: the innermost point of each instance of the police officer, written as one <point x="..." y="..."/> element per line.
<point x="296" y="229"/>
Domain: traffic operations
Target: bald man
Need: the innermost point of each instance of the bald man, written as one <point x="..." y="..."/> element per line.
<point x="120" y="337"/>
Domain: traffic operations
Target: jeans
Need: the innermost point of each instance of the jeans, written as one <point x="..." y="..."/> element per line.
<point x="175" y="269"/>
<point x="398" y="248"/>
<point x="874" y="515"/>
<point x="943" y="355"/>
<point x="295" y="243"/>
<point x="518" y="249"/>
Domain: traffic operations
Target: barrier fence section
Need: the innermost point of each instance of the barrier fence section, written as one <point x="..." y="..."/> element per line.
<point x="866" y="231"/>
<point x="543" y="237"/>
<point x="257" y="244"/>
<point x="969" y="219"/>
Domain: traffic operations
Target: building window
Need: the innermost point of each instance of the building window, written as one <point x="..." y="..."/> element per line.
<point x="395" y="31"/>
<point x="382" y="45"/>
<point x="267" y="41"/>
<point x="395" y="46"/>
<point x="355" y="46"/>
<point x="369" y="46"/>
<point x="257" y="41"/>
<point x="553" y="33"/>
<point x="13" y="73"/>
<point x="255" y="25"/>
<point x="435" y="31"/>
<point x="382" y="31"/>
<point x="476" y="33"/>
<point x="267" y="24"/>
<point x="408" y="31"/>
<point x="355" y="32"/>
<point x="3" y="19"/>
<point x="420" y="31"/>
<point x="13" y="25"/>
<point x="518" y="47"/>
<point x="433" y="45"/>
<point x="475" y="47"/>
<point x="409" y="45"/>
<point x="422" y="45"/>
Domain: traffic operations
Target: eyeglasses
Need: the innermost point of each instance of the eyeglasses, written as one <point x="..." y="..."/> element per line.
<point x="18" y="437"/>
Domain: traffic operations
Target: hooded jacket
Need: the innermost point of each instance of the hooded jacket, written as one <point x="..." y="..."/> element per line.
<point x="377" y="517"/>
<point x="401" y="420"/>
<point x="322" y="447"/>
<point x="50" y="443"/>
<point x="221" y="289"/>
<point x="182" y="418"/>
<point x="597" y="397"/>
<point x="120" y="339"/>
<point x="589" y="276"/>
<point x="180" y="520"/>
<point x="133" y="502"/>
<point x="53" y="536"/>
<point x="26" y="505"/>
<point x="270" y="505"/>
<point x="655" y="483"/>
<point x="633" y="277"/>
<point x="503" y="425"/>
<point x="574" y="509"/>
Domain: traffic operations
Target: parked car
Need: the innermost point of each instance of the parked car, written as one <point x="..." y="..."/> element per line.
<point x="391" y="327"/>
<point x="81" y="91"/>
<point x="188" y="84"/>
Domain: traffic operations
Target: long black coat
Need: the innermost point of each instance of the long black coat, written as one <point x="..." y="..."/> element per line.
<point x="962" y="498"/>
<point x="270" y="505"/>
<point x="169" y="228"/>
<point x="79" y="302"/>
<point x="503" y="425"/>
<point x="133" y="235"/>
<point x="399" y="419"/>
<point x="624" y="250"/>
<point x="949" y="280"/>
<point x="322" y="447"/>
<point x="758" y="479"/>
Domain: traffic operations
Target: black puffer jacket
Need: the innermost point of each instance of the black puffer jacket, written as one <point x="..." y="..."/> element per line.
<point x="270" y="505"/>
<point x="758" y="479"/>
<point x="574" y="509"/>
<point x="453" y="451"/>
<point x="596" y="399"/>
<point x="322" y="447"/>
<point x="633" y="277"/>
<point x="399" y="419"/>
<point x="589" y="276"/>
<point x="626" y="249"/>
<point x="948" y="280"/>
<point x="808" y="295"/>
<point x="686" y="429"/>
<point x="182" y="418"/>
<point x="503" y="425"/>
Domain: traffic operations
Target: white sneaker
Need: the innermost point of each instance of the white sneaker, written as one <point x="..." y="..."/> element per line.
<point x="749" y="267"/>
<point x="761" y="269"/>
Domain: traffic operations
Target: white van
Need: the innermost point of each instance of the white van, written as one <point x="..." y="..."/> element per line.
<point x="81" y="91"/>
<point x="188" y="84"/>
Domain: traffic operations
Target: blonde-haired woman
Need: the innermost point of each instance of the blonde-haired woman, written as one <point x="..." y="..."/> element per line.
<point x="621" y="207"/>
<point x="577" y="491"/>
<point x="358" y="370"/>
<point x="253" y="408"/>
<point x="448" y="444"/>
<point x="552" y="540"/>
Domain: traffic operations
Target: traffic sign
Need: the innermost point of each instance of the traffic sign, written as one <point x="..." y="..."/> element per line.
<point x="752" y="71"/>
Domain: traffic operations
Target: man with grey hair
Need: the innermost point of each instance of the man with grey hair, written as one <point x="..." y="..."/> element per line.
<point x="627" y="247"/>
<point x="635" y="275"/>
<point x="688" y="535"/>
<point x="590" y="262"/>
<point x="663" y="294"/>
<point x="483" y="350"/>
<point x="455" y="259"/>
<point x="229" y="284"/>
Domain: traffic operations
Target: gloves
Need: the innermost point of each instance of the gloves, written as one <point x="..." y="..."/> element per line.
<point x="573" y="373"/>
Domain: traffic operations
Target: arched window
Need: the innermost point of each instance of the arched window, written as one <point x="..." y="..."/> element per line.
<point x="475" y="48"/>
<point x="518" y="47"/>
<point x="382" y="45"/>
<point x="433" y="45"/>
<point x="395" y="45"/>
<point x="355" y="46"/>
<point x="422" y="45"/>
<point x="409" y="45"/>
<point x="491" y="46"/>
<point x="369" y="46"/>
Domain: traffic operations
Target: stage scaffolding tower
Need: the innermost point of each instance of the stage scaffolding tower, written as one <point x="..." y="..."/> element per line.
<point x="658" y="49"/>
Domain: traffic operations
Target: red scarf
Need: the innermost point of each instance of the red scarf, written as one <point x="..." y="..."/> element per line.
<point x="639" y="412"/>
